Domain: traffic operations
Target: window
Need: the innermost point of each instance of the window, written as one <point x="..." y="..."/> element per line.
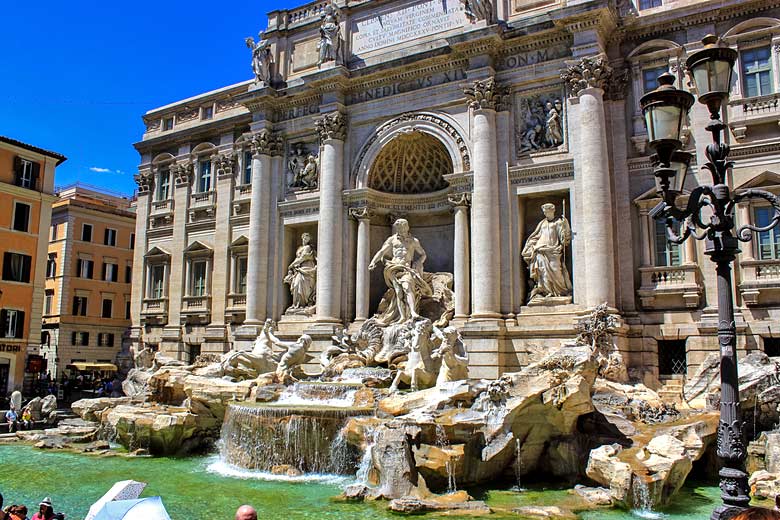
<point x="157" y="282"/>
<point x="105" y="339"/>
<point x="198" y="285"/>
<point x="110" y="272"/>
<point x="80" y="338"/>
<point x="667" y="254"/>
<point x="204" y="176"/>
<point x="86" y="232"/>
<point x="79" y="306"/>
<point x="650" y="77"/>
<point x="247" y="167"/>
<point x="84" y="268"/>
<point x="241" y="268"/>
<point x="671" y="358"/>
<point x="45" y="337"/>
<point x="768" y="241"/>
<point x="757" y="72"/>
<point x="16" y="267"/>
<point x="109" y="237"/>
<point x="12" y="323"/>
<point x="132" y="240"/>
<point x="164" y="184"/>
<point x="48" y="302"/>
<point x="51" y="265"/>
<point x="128" y="273"/>
<point x="108" y="307"/>
<point x="772" y="347"/>
<point x="127" y="310"/>
<point x="649" y="4"/>
<point x="193" y="352"/>
<point x="21" y="216"/>
<point x="207" y="112"/>
<point x="168" y="123"/>
<point x="54" y="231"/>
<point x="26" y="173"/>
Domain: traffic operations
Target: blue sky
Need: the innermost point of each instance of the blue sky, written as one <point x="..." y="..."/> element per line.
<point x="78" y="75"/>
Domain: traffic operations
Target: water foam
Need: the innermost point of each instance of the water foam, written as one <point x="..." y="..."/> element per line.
<point x="219" y="467"/>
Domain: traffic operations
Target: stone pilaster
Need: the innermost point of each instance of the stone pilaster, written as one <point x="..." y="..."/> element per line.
<point x="363" y="257"/>
<point x="263" y="144"/>
<point x="141" y="224"/>
<point x="484" y="97"/>
<point x="181" y="198"/>
<point x="223" y="165"/>
<point x="461" y="283"/>
<point x="333" y="131"/>
<point x="586" y="80"/>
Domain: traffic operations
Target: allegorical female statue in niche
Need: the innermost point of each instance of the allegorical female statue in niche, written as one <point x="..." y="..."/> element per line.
<point x="544" y="253"/>
<point x="302" y="277"/>
<point x="261" y="58"/>
<point x="329" y="47"/>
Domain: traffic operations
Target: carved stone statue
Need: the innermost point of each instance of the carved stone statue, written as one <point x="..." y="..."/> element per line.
<point x="476" y="10"/>
<point x="306" y="177"/>
<point x="544" y="253"/>
<point x="539" y="123"/>
<point x="554" y="131"/>
<point x="302" y="278"/>
<point x="419" y="369"/>
<point x="329" y="47"/>
<point x="296" y="163"/>
<point x="262" y="60"/>
<point x="249" y="364"/>
<point x="453" y="355"/>
<point x="403" y="257"/>
<point x="295" y="354"/>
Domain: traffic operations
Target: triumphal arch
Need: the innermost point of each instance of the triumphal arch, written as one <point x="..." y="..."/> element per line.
<point x="500" y="142"/>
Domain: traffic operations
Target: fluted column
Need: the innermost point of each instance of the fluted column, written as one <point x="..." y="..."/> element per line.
<point x="586" y="80"/>
<point x="484" y="97"/>
<point x="263" y="143"/>
<point x="461" y="283"/>
<point x="363" y="257"/>
<point x="333" y="131"/>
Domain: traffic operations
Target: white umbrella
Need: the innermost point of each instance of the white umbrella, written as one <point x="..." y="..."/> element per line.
<point x="122" y="490"/>
<point x="150" y="508"/>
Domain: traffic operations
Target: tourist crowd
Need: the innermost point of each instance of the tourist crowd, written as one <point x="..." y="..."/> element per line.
<point x="19" y="512"/>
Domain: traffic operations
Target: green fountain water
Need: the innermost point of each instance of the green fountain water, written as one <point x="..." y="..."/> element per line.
<point x="204" y="487"/>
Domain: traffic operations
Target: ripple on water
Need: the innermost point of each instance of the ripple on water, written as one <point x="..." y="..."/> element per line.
<point x="219" y="467"/>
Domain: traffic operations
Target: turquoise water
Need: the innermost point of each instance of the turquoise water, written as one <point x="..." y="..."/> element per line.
<point x="203" y="488"/>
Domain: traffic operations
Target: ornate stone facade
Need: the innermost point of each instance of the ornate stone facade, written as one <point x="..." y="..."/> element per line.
<point x="465" y="128"/>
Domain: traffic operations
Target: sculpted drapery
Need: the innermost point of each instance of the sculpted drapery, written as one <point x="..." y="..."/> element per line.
<point x="302" y="276"/>
<point x="544" y="253"/>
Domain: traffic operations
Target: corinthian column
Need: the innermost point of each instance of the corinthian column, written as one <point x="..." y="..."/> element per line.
<point x="363" y="216"/>
<point x="263" y="143"/>
<point x="483" y="99"/>
<point x="333" y="131"/>
<point x="460" y="206"/>
<point x="586" y="80"/>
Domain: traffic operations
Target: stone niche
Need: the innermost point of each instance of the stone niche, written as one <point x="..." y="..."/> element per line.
<point x="531" y="214"/>
<point x="540" y="121"/>
<point x="292" y="240"/>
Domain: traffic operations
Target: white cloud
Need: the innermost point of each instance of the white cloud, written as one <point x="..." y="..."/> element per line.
<point x="100" y="170"/>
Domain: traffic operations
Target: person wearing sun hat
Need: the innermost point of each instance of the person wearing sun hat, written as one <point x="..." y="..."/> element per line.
<point x="46" y="512"/>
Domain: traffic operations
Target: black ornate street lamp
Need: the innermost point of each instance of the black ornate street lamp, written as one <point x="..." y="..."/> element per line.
<point x="664" y="108"/>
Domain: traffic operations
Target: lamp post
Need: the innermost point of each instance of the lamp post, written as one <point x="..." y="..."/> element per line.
<point x="664" y="110"/>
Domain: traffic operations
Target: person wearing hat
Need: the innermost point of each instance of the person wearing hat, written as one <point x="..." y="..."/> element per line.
<point x="46" y="512"/>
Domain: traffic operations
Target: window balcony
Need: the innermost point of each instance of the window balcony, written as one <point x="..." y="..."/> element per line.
<point x="673" y="287"/>
<point x="196" y="309"/>
<point x="203" y="205"/>
<point x="154" y="310"/>
<point x="760" y="283"/>
<point x="753" y="111"/>
<point x="162" y="207"/>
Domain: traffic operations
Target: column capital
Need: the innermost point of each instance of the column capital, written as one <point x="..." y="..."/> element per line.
<point x="332" y="126"/>
<point x="182" y="172"/>
<point x="459" y="200"/>
<point x="224" y="163"/>
<point x="588" y="72"/>
<point x="145" y="181"/>
<point x="361" y="213"/>
<point x="265" y="142"/>
<point x="486" y="94"/>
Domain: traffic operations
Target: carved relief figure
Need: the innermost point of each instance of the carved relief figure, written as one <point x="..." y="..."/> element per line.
<point x="294" y="355"/>
<point x="296" y="163"/>
<point x="453" y="355"/>
<point x="403" y="257"/>
<point x="262" y="59"/>
<point x="260" y="360"/>
<point x="539" y="123"/>
<point x="302" y="277"/>
<point x="329" y="47"/>
<point x="307" y="175"/>
<point x="544" y="253"/>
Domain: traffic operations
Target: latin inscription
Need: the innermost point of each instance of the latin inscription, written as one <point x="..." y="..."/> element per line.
<point x="401" y="87"/>
<point x="415" y="21"/>
<point x="296" y="112"/>
<point x="523" y="59"/>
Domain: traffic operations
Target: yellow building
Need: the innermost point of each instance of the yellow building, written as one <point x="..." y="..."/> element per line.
<point x="26" y="196"/>
<point x="88" y="278"/>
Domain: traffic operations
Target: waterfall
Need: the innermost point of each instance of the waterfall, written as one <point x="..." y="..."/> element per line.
<point x="305" y="437"/>
<point x="443" y="443"/>
<point x="643" y="500"/>
<point x="366" y="460"/>
<point x="518" y="466"/>
<point x="317" y="393"/>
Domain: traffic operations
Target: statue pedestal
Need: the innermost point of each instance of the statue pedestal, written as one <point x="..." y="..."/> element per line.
<point x="549" y="301"/>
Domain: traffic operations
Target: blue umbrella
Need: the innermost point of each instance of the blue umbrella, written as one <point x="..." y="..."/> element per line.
<point x="150" y="508"/>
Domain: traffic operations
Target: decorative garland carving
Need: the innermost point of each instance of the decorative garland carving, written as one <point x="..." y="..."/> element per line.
<point x="486" y="94"/>
<point x="332" y="126"/>
<point x="589" y="72"/>
<point x="361" y="213"/>
<point x="459" y="200"/>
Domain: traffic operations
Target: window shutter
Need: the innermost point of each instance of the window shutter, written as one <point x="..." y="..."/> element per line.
<point x="105" y="236"/>
<point x="7" y="266"/>
<point x="19" y="324"/>
<point x="36" y="172"/>
<point x="90" y="265"/>
<point x="17" y="170"/>
<point x="3" y="324"/>
<point x="75" y="306"/>
<point x="26" y="264"/>
<point x="84" y="306"/>
<point x="115" y="273"/>
<point x="110" y="340"/>
<point x="73" y="338"/>
<point x="84" y="339"/>
<point x="103" y="276"/>
<point x="78" y="267"/>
